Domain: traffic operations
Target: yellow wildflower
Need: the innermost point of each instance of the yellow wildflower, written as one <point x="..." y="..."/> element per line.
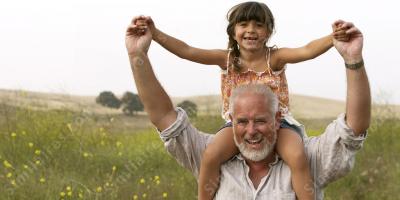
<point x="68" y="188"/>
<point x="144" y="195"/>
<point x="114" y="168"/>
<point x="23" y="133"/>
<point x="9" y="174"/>
<point x="26" y="167"/>
<point x="99" y="189"/>
<point x="62" y="194"/>
<point x="13" y="134"/>
<point x="69" y="126"/>
<point x="119" y="153"/>
<point x="37" y="162"/>
<point x="80" y="195"/>
<point x="13" y="182"/>
<point x="107" y="184"/>
<point x="158" y="182"/>
<point x="164" y="195"/>
<point x="118" y="143"/>
<point x="69" y="193"/>
<point x="156" y="177"/>
<point x="142" y="181"/>
<point x="135" y="197"/>
<point x="42" y="180"/>
<point x="7" y="164"/>
<point x="37" y="152"/>
<point x="85" y="154"/>
<point x="30" y="144"/>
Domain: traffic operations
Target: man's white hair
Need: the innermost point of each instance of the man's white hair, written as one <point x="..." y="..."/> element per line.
<point x="259" y="89"/>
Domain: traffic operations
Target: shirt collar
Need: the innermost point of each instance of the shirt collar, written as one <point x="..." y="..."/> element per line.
<point x="241" y="158"/>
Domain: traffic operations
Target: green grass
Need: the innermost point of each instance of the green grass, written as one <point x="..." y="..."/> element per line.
<point x="44" y="153"/>
<point x="93" y="157"/>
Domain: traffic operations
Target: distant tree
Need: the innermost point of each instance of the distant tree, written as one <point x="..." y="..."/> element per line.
<point x="131" y="103"/>
<point x="108" y="99"/>
<point x="189" y="107"/>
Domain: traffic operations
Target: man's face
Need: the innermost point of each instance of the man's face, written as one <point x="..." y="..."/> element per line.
<point x="254" y="127"/>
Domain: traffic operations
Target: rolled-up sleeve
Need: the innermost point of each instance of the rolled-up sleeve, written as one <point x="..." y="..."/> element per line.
<point x="332" y="154"/>
<point x="185" y="143"/>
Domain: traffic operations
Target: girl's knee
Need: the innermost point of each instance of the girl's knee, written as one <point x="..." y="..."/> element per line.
<point x="212" y="154"/>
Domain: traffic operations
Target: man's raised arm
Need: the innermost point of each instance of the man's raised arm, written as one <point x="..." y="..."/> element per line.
<point x="156" y="102"/>
<point x="332" y="154"/>
<point x="358" y="102"/>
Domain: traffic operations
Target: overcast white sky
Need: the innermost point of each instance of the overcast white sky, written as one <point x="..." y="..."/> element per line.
<point x="77" y="47"/>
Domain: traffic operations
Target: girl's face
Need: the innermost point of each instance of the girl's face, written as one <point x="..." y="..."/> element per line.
<point x="251" y="35"/>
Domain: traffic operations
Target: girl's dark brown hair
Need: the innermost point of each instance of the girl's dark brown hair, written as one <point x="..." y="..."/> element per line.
<point x="245" y="12"/>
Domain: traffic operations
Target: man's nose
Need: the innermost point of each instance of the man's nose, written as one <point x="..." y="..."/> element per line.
<point x="251" y="129"/>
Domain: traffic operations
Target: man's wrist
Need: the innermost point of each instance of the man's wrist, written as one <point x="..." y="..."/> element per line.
<point x="352" y="59"/>
<point x="138" y="58"/>
<point x="137" y="52"/>
<point x="354" y="64"/>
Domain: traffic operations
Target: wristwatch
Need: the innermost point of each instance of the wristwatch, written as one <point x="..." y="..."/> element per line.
<point x="355" y="65"/>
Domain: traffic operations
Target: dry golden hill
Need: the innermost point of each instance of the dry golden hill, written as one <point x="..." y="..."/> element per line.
<point x="301" y="106"/>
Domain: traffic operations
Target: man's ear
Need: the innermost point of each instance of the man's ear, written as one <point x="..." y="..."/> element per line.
<point x="277" y="120"/>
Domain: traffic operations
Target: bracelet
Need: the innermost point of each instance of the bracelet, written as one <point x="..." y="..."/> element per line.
<point x="355" y="65"/>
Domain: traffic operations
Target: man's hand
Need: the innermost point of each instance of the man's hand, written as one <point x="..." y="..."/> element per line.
<point x="137" y="38"/>
<point x="350" y="50"/>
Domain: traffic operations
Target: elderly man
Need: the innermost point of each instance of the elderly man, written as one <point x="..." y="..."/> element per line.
<point x="257" y="172"/>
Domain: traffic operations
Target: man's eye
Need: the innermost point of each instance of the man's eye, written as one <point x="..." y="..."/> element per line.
<point x="241" y="121"/>
<point x="260" y="121"/>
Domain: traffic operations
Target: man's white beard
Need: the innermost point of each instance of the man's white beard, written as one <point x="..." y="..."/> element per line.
<point x="256" y="155"/>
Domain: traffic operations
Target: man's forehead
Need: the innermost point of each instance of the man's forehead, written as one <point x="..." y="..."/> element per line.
<point x="245" y="98"/>
<point x="251" y="103"/>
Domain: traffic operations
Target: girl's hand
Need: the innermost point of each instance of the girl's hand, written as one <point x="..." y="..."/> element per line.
<point x="339" y="32"/>
<point x="151" y="25"/>
<point x="141" y="23"/>
<point x="145" y="22"/>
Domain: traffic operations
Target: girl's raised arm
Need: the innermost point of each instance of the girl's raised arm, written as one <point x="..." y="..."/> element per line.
<point x="185" y="51"/>
<point x="307" y="52"/>
<point x="312" y="49"/>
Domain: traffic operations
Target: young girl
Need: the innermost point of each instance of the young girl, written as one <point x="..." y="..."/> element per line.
<point x="249" y="60"/>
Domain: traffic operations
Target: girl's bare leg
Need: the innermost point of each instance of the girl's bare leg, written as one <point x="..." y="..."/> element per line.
<point x="220" y="150"/>
<point x="291" y="149"/>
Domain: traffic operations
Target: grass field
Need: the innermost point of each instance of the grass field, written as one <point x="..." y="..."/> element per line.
<point x="64" y="154"/>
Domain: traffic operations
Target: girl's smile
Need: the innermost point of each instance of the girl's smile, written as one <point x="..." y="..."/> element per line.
<point x="251" y="35"/>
